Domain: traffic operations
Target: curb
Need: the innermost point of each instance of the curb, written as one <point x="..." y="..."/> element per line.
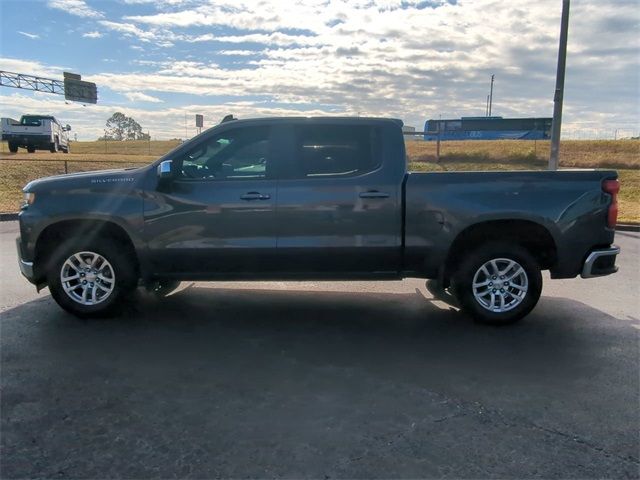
<point x="8" y="217"/>
<point x="628" y="227"/>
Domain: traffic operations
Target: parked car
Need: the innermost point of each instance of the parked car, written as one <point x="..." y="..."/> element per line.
<point x="314" y="198"/>
<point x="35" y="132"/>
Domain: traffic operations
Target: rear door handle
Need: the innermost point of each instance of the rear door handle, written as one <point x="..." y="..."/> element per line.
<point x="374" y="194"/>
<point x="255" y="196"/>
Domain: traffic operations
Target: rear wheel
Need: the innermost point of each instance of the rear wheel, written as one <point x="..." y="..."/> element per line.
<point x="13" y="148"/>
<point x="90" y="279"/>
<point x="31" y="149"/>
<point x="498" y="283"/>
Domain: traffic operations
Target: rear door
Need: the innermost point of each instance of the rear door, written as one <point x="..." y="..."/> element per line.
<point x="338" y="209"/>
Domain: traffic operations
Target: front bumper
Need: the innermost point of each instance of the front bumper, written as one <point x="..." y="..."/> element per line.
<point x="26" y="268"/>
<point x="600" y="262"/>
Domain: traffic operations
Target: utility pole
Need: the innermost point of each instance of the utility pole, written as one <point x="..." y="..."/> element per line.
<point x="556" y="126"/>
<point x="491" y="94"/>
<point x="486" y="110"/>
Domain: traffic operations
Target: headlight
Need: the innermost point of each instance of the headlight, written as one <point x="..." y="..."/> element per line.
<point x="29" y="198"/>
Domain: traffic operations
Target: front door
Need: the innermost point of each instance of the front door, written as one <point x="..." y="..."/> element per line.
<point x="217" y="217"/>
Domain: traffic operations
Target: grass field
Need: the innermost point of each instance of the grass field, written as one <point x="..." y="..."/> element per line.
<point x="622" y="155"/>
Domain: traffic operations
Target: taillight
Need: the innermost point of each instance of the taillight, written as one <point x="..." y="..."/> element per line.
<point x="612" y="187"/>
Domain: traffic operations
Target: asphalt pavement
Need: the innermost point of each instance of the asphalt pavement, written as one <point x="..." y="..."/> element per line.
<point x="321" y="380"/>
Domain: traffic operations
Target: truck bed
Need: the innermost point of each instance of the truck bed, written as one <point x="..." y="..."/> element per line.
<point x="569" y="204"/>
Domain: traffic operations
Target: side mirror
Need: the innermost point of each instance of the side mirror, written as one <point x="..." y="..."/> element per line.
<point x="68" y="128"/>
<point x="165" y="170"/>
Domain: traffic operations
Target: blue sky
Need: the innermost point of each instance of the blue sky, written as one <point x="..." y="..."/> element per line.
<point x="159" y="60"/>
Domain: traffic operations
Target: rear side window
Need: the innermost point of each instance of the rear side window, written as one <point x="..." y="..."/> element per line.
<point x="335" y="150"/>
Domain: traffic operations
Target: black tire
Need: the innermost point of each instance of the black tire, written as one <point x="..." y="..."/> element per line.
<point x="31" y="149"/>
<point x="13" y="148"/>
<point x="462" y="284"/>
<point x="124" y="275"/>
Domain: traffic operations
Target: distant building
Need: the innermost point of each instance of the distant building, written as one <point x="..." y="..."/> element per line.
<point x="408" y="129"/>
<point x="489" y="128"/>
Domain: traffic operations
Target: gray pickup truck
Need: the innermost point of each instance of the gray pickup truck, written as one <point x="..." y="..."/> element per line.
<point x="314" y="198"/>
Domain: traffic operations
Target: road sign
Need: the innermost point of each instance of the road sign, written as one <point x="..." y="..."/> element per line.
<point x="199" y="121"/>
<point x="77" y="90"/>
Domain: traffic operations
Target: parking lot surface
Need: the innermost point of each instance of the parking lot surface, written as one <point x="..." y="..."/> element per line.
<point x="322" y="380"/>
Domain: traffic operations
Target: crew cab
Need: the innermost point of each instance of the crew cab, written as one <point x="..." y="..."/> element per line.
<point x="314" y="198"/>
<point x="35" y="132"/>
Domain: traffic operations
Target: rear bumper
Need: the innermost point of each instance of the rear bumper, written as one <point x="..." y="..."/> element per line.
<point x="26" y="268"/>
<point x="28" y="139"/>
<point x="600" y="262"/>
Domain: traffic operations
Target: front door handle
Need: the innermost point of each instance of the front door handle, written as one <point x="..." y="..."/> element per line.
<point x="255" y="196"/>
<point x="374" y="194"/>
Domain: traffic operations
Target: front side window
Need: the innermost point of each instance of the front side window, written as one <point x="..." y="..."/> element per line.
<point x="240" y="153"/>
<point x="334" y="150"/>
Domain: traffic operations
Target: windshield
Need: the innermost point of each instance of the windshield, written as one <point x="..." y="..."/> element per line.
<point x="32" y="120"/>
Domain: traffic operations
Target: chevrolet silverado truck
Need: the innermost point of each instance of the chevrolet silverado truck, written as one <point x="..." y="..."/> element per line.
<point x="314" y="198"/>
<point x="35" y="132"/>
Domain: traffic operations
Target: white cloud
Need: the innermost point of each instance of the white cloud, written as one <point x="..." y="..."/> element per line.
<point x="89" y="122"/>
<point x="32" y="36"/>
<point x="158" y="3"/>
<point x="30" y="67"/>
<point x="161" y="39"/>
<point x="94" y="34"/>
<point x="276" y="38"/>
<point x="129" y="29"/>
<point x="142" y="97"/>
<point x="241" y="53"/>
<point x="75" y="7"/>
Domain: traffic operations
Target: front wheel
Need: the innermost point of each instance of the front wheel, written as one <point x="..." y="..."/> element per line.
<point x="498" y="283"/>
<point x="13" y="147"/>
<point x="90" y="279"/>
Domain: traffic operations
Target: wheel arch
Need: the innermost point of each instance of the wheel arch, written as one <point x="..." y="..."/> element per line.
<point x="534" y="237"/>
<point x="61" y="231"/>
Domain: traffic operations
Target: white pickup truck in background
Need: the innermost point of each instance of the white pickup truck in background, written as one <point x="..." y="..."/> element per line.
<point x="35" y="132"/>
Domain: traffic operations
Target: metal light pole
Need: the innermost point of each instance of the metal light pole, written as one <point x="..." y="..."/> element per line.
<point x="559" y="93"/>
<point x="486" y="111"/>
<point x="491" y="94"/>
